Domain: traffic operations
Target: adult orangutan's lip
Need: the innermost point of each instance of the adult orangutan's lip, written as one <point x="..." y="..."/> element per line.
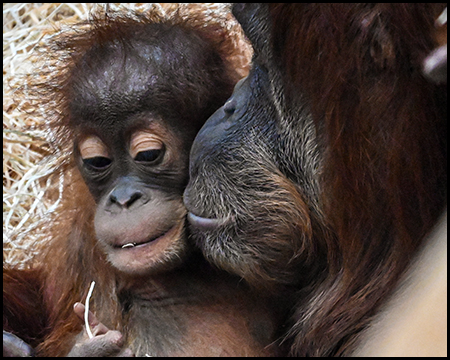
<point x="205" y="224"/>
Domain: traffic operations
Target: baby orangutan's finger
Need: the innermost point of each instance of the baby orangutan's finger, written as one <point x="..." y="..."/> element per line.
<point x="97" y="327"/>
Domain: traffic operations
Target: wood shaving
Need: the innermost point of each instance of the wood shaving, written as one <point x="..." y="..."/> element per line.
<point x="86" y="310"/>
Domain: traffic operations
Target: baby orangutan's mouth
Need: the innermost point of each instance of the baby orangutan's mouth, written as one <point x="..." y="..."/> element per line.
<point x="128" y="245"/>
<point x="131" y="245"/>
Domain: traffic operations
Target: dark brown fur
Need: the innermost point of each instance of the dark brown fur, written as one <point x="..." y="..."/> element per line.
<point x="385" y="175"/>
<point x="21" y="293"/>
<point x="376" y="174"/>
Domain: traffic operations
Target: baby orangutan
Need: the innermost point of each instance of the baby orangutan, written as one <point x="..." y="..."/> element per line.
<point x="136" y="93"/>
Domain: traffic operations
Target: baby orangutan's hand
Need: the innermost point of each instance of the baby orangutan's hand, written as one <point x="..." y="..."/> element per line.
<point x="105" y="342"/>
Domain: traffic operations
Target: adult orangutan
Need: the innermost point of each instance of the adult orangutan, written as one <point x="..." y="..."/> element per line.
<point x="326" y="169"/>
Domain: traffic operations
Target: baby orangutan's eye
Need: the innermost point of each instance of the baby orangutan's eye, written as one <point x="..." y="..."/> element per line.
<point x="94" y="153"/>
<point x="146" y="147"/>
<point x="148" y="155"/>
